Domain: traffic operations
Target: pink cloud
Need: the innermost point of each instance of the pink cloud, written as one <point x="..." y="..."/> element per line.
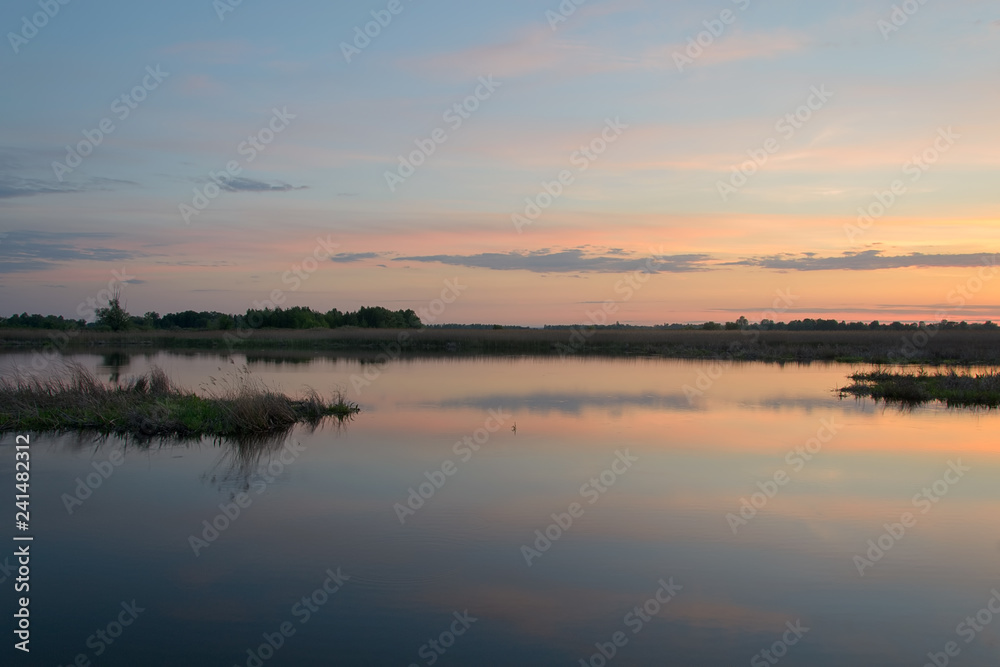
<point x="200" y="84"/>
<point x="220" y="52"/>
<point x="533" y="51"/>
<point x="735" y="47"/>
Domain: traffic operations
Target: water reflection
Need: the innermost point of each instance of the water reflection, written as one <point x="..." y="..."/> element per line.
<point x="248" y="460"/>
<point x="112" y="363"/>
<point x="332" y="503"/>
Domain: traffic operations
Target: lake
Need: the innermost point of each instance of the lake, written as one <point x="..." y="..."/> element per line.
<point x="643" y="512"/>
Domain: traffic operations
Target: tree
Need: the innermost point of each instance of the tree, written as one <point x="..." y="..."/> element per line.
<point x="114" y="316"/>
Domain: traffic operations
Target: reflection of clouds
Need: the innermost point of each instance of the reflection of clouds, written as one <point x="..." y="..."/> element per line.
<point x="530" y="608"/>
<point x="563" y="614"/>
<point x="808" y="405"/>
<point x="565" y="402"/>
<point x="574" y="403"/>
<point x="702" y="613"/>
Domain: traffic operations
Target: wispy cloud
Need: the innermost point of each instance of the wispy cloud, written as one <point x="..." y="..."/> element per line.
<point x="349" y="257"/>
<point x="569" y="261"/>
<point x="253" y="185"/>
<point x="531" y="51"/>
<point x="218" y="52"/>
<point x="735" y="47"/>
<point x="14" y="186"/>
<point x="616" y="260"/>
<point x="22" y="251"/>
<point x="866" y="260"/>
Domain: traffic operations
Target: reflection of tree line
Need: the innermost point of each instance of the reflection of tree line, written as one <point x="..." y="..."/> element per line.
<point x="254" y="462"/>
<point x="113" y="363"/>
<point x="243" y="462"/>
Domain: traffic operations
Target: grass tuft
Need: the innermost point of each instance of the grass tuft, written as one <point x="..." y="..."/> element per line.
<point x="954" y="389"/>
<point x="150" y="405"/>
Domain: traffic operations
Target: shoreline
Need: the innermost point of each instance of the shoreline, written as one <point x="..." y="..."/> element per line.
<point x="151" y="405"/>
<point x="945" y="347"/>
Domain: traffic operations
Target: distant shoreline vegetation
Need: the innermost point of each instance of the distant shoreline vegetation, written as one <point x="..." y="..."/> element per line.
<point x="401" y="331"/>
<point x="115" y="318"/>
<point x="928" y="345"/>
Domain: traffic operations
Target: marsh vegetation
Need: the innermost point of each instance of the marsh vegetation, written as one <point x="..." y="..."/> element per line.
<point x="955" y="389"/>
<point x="148" y="405"/>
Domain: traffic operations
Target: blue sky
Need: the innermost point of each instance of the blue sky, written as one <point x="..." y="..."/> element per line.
<point x="654" y="191"/>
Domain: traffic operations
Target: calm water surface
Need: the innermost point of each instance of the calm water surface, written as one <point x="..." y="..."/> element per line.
<point x="408" y="536"/>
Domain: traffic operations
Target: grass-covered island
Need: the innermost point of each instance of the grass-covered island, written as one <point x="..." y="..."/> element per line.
<point x="954" y="389"/>
<point x="151" y="405"/>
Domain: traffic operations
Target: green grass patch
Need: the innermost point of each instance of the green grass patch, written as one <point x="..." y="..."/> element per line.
<point x="150" y="405"/>
<point x="955" y="389"/>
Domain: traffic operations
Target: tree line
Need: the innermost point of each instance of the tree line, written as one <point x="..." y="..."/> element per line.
<point x="114" y="317"/>
<point x="807" y="324"/>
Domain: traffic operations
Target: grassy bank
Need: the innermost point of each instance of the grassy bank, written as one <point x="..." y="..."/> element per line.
<point x="945" y="347"/>
<point x="954" y="389"/>
<point x="150" y="405"/>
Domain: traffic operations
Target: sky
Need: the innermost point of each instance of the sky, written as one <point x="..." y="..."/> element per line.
<point x="513" y="163"/>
